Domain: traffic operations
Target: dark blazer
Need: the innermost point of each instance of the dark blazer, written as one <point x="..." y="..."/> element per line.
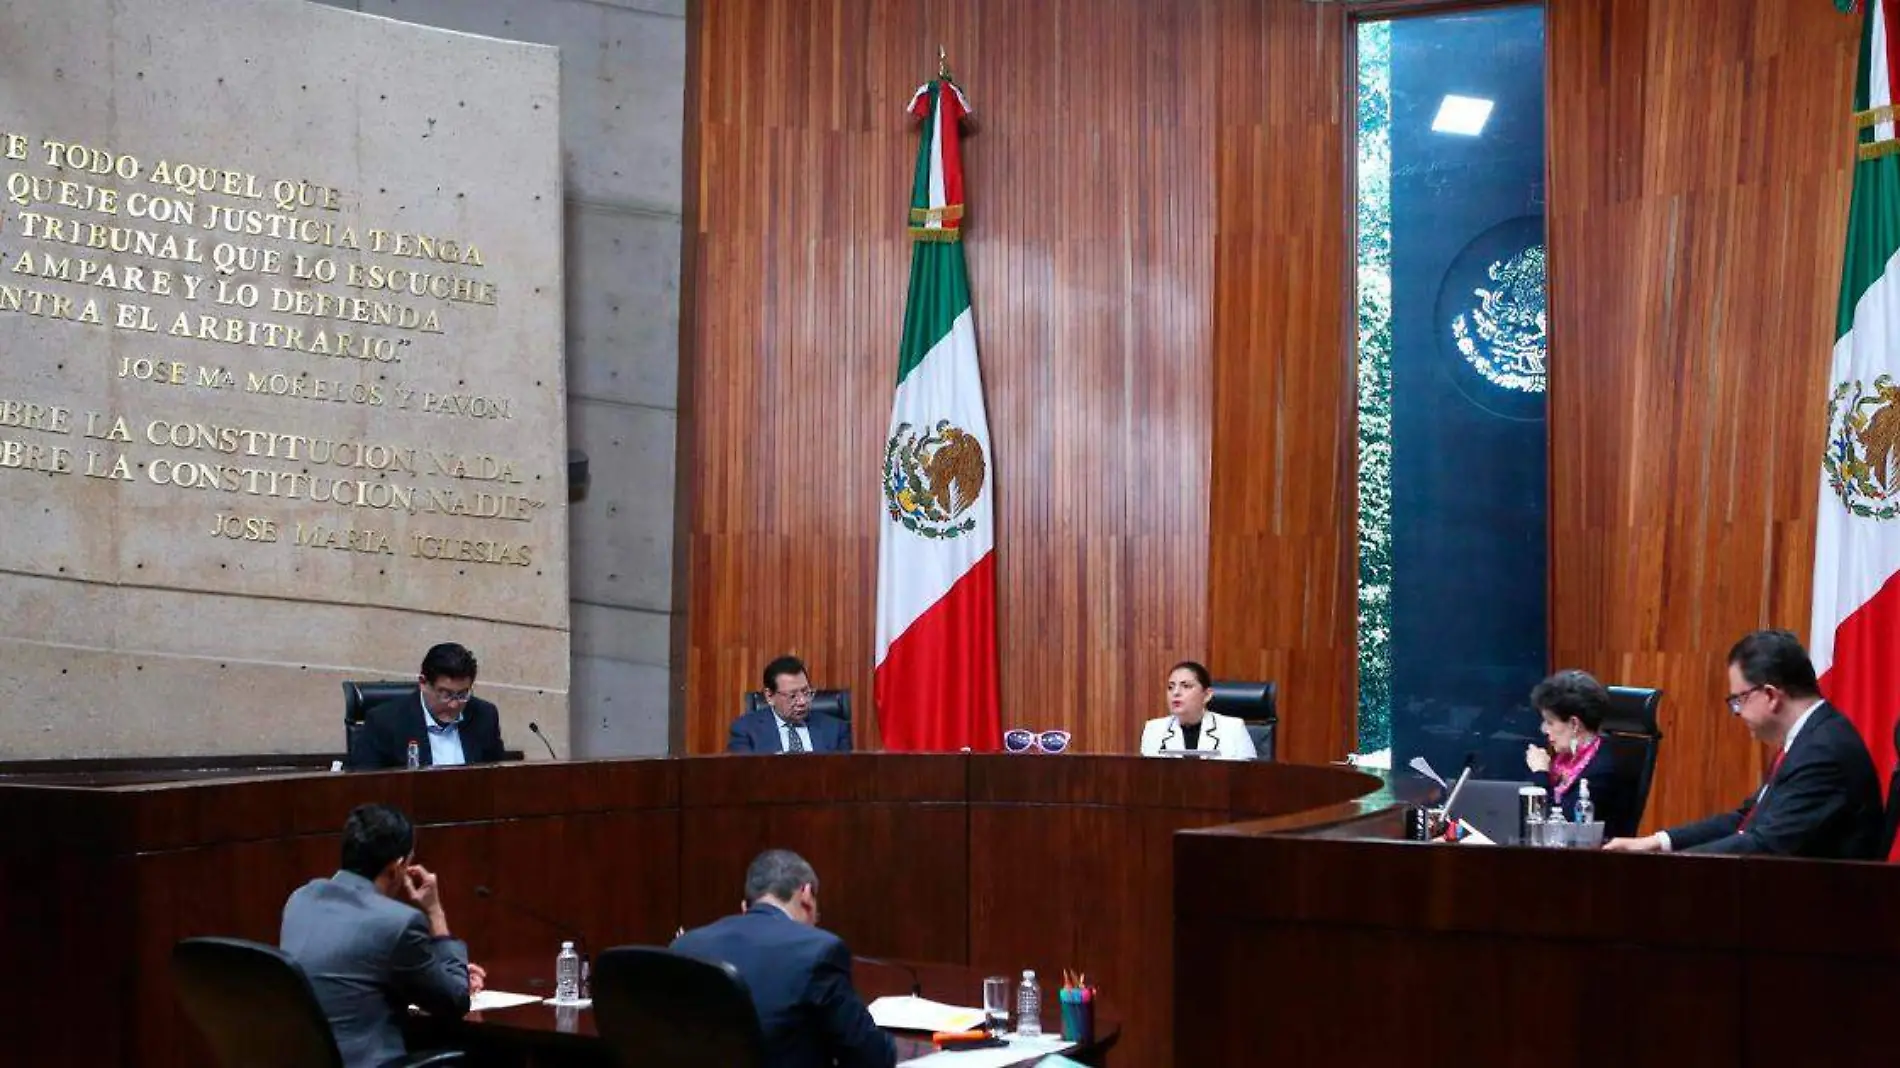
<point x="800" y="979"/>
<point x="369" y="958"/>
<point x="388" y="728"/>
<point x="1824" y="802"/>
<point x="757" y="732"/>
<point x="1612" y="792"/>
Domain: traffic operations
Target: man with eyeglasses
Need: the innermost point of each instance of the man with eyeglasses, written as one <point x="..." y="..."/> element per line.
<point x="1820" y="798"/>
<point x="445" y="723"/>
<point x="787" y="724"/>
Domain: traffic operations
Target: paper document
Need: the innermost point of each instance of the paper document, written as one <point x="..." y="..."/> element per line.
<point x="1419" y="765"/>
<point x="489" y="1000"/>
<point x="922" y="1014"/>
<point x="1474" y="836"/>
<point x="1019" y="1051"/>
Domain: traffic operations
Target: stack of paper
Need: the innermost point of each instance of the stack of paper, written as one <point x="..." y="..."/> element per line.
<point x="922" y="1014"/>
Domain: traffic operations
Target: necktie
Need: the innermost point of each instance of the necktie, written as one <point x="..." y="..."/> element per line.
<point x="1762" y="795"/>
<point x="793" y="743"/>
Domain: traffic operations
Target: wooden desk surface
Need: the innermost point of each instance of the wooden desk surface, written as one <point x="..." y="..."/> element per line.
<point x="548" y="1035"/>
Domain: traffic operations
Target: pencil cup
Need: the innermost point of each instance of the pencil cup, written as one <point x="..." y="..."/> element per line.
<point x="1078" y="1020"/>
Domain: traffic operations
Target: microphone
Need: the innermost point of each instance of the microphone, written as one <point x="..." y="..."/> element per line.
<point x="567" y="933"/>
<point x="1452" y="798"/>
<point x="916" y="984"/>
<point x="535" y="728"/>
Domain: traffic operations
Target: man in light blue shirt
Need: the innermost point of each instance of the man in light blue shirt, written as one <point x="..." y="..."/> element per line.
<point x="452" y="727"/>
<point x="445" y="735"/>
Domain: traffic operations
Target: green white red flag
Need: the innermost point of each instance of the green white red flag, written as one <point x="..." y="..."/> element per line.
<point x="1854" y="636"/>
<point x="936" y="682"/>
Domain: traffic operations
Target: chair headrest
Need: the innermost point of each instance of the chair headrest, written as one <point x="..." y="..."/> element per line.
<point x="675" y="1009"/>
<point x="359" y="697"/>
<point x="1633" y="710"/>
<point x="252" y="1002"/>
<point x="1245" y="700"/>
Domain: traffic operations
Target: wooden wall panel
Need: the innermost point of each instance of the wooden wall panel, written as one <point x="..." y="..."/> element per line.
<point x="1699" y="162"/>
<point x="1158" y="250"/>
<point x="1091" y="257"/>
<point x="1124" y="322"/>
<point x="1282" y="554"/>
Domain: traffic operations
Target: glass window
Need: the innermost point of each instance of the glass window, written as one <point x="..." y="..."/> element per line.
<point x="1451" y="368"/>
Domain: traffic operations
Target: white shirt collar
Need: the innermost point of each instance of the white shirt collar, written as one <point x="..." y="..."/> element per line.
<point x="1788" y="743"/>
<point x="431" y="723"/>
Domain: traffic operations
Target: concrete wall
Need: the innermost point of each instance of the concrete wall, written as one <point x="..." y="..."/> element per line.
<point x="623" y="68"/>
<point x="158" y="594"/>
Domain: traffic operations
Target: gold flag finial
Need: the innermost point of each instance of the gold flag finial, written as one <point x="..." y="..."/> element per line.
<point x="943" y="62"/>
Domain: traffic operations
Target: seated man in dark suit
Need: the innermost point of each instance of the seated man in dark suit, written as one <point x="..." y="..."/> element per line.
<point x="787" y="724"/>
<point x="799" y="976"/>
<point x="446" y="722"/>
<point x="374" y="940"/>
<point x="1821" y="797"/>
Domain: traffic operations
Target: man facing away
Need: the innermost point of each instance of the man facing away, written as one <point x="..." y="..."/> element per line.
<point x="445" y="721"/>
<point x="373" y="940"/>
<point x="1821" y="797"/>
<point x="799" y="975"/>
<point x="787" y="724"/>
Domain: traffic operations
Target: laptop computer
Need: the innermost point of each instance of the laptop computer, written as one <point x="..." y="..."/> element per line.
<point x="1490" y="805"/>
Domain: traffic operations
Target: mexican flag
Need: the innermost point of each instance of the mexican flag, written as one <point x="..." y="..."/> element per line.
<point x="936" y="567"/>
<point x="1855" y="637"/>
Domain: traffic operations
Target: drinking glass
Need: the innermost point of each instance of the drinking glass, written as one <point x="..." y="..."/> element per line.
<point x="996" y="1003"/>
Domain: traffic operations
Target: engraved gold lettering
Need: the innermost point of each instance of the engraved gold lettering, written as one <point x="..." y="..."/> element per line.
<point x="119" y="468"/>
<point x="243" y="528"/>
<point x="23" y="415"/>
<point x="118" y="431"/>
<point x="33" y="456"/>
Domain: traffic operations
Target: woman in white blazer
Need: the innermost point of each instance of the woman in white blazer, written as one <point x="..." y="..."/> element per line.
<point x="1189" y="726"/>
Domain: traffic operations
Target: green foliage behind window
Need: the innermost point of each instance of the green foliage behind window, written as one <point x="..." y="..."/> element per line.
<point x="1374" y="259"/>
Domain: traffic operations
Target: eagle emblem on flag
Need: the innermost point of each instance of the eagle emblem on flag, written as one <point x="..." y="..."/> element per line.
<point x="1862" y="460"/>
<point x="932" y="477"/>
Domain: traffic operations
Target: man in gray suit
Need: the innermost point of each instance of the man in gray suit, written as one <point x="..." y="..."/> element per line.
<point x="374" y="940"/>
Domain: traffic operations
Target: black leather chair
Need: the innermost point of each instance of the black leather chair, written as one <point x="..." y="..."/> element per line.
<point x="655" y="1006"/>
<point x="1254" y="704"/>
<point x="1631" y="729"/>
<point x="823" y="702"/>
<point x="257" y="1008"/>
<point x="359" y="697"/>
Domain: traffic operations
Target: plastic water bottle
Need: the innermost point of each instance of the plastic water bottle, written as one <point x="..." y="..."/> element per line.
<point x="415" y="754"/>
<point x="1029" y="1006"/>
<point x="567" y="975"/>
<point x="1555" y="835"/>
<point x="1586" y="809"/>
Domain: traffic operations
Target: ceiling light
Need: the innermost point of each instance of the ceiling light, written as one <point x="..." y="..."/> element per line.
<point x="1464" y="115"/>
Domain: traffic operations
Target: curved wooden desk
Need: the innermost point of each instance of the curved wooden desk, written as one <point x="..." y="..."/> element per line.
<point x="991" y="861"/>
<point x="545" y="1035"/>
<point x="1370" y="950"/>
